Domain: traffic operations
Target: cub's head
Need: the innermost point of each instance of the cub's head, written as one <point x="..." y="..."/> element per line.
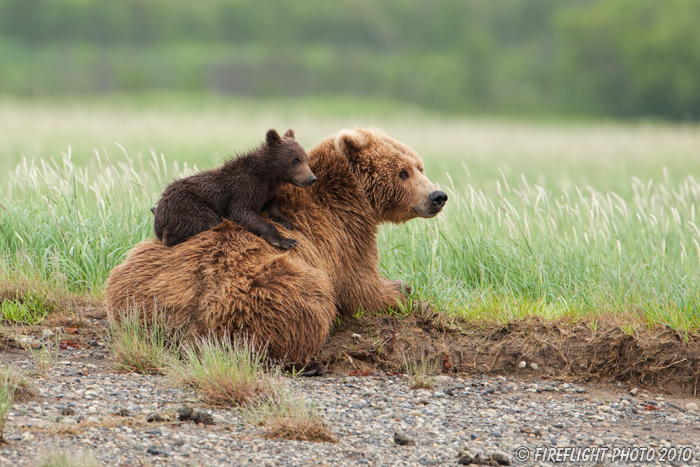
<point x="288" y="160"/>
<point x="391" y="174"/>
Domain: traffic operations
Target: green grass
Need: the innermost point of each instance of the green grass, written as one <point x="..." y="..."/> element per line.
<point x="224" y="373"/>
<point x="140" y="346"/>
<point x="287" y="415"/>
<point x="559" y="221"/>
<point x="421" y="370"/>
<point x="65" y="459"/>
<point x="30" y="309"/>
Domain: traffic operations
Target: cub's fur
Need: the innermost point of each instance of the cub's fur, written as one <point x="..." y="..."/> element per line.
<point x="239" y="190"/>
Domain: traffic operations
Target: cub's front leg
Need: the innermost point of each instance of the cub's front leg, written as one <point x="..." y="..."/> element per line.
<point x="276" y="215"/>
<point x="264" y="229"/>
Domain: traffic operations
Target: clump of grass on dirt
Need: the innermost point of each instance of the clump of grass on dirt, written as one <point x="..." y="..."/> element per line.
<point x="65" y="459"/>
<point x="44" y="357"/>
<point x="13" y="387"/>
<point x="29" y="309"/>
<point x="143" y="345"/>
<point x="235" y="373"/>
<point x="288" y="416"/>
<point x="224" y="372"/>
<point x="22" y="390"/>
<point x="421" y="371"/>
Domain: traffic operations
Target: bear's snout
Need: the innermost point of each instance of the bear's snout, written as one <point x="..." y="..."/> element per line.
<point x="437" y="199"/>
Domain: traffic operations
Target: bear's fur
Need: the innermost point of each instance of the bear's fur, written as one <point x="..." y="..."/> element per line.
<point x="239" y="190"/>
<point x="227" y="281"/>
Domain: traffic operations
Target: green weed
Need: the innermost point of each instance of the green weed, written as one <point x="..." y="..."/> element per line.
<point x="144" y="345"/>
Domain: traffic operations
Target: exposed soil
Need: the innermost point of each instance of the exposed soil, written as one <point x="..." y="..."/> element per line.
<point x="657" y="359"/>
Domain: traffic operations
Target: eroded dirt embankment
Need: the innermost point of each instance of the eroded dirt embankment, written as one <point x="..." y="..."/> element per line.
<point x="658" y="359"/>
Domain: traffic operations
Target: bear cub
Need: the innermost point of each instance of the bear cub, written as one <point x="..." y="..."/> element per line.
<point x="240" y="191"/>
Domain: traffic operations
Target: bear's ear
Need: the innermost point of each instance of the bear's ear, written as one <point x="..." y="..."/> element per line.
<point x="350" y="143"/>
<point x="273" y="137"/>
<point x="289" y="133"/>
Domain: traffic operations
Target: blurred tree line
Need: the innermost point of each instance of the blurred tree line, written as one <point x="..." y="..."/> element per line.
<point x="625" y="58"/>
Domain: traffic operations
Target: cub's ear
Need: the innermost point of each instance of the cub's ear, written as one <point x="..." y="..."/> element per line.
<point x="272" y="137"/>
<point x="350" y="143"/>
<point x="289" y="133"/>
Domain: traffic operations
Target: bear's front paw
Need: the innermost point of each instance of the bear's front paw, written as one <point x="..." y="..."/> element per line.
<point x="287" y="243"/>
<point x="402" y="287"/>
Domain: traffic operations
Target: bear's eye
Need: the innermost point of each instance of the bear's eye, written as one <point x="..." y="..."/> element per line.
<point x="403" y="174"/>
<point x="296" y="160"/>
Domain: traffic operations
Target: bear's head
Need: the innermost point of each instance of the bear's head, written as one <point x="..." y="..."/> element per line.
<point x="391" y="175"/>
<point x="287" y="160"/>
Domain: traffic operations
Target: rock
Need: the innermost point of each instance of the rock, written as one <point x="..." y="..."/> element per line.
<point x="67" y="411"/>
<point x="634" y="391"/>
<point x="47" y="333"/>
<point x="188" y="414"/>
<point x="527" y="430"/>
<point x="466" y="459"/>
<point x="691" y="406"/>
<point x="94" y="344"/>
<point x="27" y="436"/>
<point x="356" y="336"/>
<point x="155" y="417"/>
<point x="522" y="364"/>
<point x="65" y="362"/>
<point x="403" y="440"/>
<point x="123" y="413"/>
<point x="500" y="458"/>
<point x="27" y="341"/>
<point x="534" y="366"/>
<point x="155" y="451"/>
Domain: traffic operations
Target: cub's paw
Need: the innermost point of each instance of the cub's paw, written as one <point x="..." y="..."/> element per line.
<point x="285" y="223"/>
<point x="287" y="243"/>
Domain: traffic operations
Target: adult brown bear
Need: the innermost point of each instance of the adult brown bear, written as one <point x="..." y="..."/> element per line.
<point x="227" y="280"/>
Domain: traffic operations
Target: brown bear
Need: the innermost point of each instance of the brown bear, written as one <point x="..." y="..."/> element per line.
<point x="227" y="281"/>
<point x="239" y="190"/>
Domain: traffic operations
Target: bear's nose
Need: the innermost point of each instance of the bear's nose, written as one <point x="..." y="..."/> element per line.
<point x="438" y="198"/>
<point x="312" y="180"/>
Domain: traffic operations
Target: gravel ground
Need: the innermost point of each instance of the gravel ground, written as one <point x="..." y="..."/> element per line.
<point x="85" y="406"/>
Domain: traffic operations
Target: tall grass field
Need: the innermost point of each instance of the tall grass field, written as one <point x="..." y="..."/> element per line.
<point x="568" y="221"/>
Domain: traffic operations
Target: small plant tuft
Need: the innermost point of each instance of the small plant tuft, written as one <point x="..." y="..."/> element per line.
<point x="29" y="309"/>
<point x="20" y="387"/>
<point x="44" y="357"/>
<point x="143" y="346"/>
<point x="64" y="459"/>
<point x="13" y="386"/>
<point x="288" y="416"/>
<point x="225" y="373"/>
<point x="421" y="371"/>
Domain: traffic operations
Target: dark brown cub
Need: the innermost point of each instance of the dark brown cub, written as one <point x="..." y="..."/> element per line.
<point x="240" y="190"/>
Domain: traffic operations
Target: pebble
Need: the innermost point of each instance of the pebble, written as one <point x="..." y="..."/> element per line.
<point x="691" y="406"/>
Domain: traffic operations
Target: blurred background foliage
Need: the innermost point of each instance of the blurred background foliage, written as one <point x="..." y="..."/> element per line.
<point x="591" y="58"/>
